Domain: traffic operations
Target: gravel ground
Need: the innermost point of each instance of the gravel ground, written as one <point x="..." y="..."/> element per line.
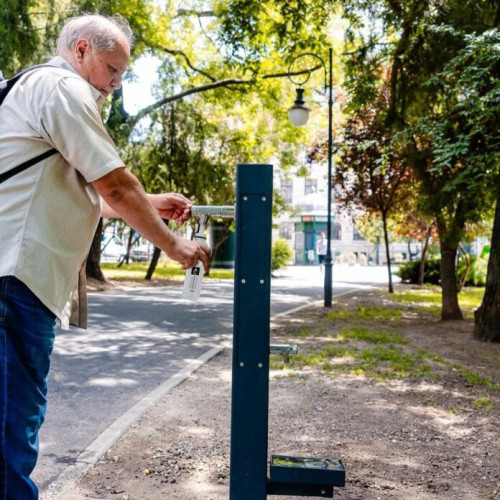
<point x="429" y="430"/>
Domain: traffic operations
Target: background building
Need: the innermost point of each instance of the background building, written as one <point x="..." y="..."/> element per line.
<point x="301" y="228"/>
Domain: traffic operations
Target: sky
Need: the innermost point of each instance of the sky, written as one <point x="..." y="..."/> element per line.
<point x="137" y="94"/>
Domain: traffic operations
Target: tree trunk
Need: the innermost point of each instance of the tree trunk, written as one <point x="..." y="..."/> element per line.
<point x="130" y="243"/>
<point x="463" y="279"/>
<point x="154" y="259"/>
<point x="153" y="263"/>
<point x="93" y="267"/>
<point x="221" y="238"/>
<point x="487" y="317"/>
<point x="450" y="308"/>
<point x="421" y="267"/>
<point x="387" y="252"/>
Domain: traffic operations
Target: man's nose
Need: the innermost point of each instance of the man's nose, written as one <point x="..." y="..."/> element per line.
<point x="116" y="82"/>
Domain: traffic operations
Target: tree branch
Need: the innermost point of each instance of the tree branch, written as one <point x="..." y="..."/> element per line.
<point x="293" y="73"/>
<point x="175" y="52"/>
<point x="191" y="12"/>
<point x="209" y="86"/>
<point x="195" y="90"/>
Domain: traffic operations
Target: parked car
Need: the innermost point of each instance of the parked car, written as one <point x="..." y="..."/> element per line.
<point x="112" y="248"/>
<point x="142" y="253"/>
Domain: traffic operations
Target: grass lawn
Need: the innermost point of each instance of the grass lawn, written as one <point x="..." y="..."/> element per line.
<point x="168" y="271"/>
<point x="429" y="297"/>
<point x="371" y="339"/>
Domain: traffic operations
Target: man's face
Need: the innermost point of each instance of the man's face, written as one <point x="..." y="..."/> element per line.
<point x="103" y="70"/>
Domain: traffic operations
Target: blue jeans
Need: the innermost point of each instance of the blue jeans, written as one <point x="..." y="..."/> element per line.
<point x="26" y="341"/>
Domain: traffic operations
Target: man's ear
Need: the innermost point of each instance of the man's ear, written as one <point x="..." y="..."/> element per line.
<point x="81" y="47"/>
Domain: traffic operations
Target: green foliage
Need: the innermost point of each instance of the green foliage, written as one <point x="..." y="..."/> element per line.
<point x="468" y="133"/>
<point x="186" y="153"/>
<point x="477" y="271"/>
<point x="460" y="138"/>
<point x="442" y="106"/>
<point x="281" y="254"/>
<point x="249" y="29"/>
<point x="195" y="151"/>
<point x="370" y="228"/>
<point x="26" y="32"/>
<point x="408" y="271"/>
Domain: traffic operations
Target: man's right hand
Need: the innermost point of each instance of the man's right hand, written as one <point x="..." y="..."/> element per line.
<point x="188" y="253"/>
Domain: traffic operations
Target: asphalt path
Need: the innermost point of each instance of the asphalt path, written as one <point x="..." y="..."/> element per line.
<point x="140" y="338"/>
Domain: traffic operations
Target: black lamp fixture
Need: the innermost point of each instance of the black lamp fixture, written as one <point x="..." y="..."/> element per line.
<point x="299" y="115"/>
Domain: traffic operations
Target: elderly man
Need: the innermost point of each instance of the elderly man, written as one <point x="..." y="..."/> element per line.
<point x="49" y="213"/>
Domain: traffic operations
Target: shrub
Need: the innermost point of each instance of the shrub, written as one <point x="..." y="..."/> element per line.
<point x="408" y="271"/>
<point x="477" y="272"/>
<point x="281" y="255"/>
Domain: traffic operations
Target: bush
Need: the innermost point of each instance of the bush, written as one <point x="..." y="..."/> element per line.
<point x="408" y="271"/>
<point x="477" y="271"/>
<point x="281" y="255"/>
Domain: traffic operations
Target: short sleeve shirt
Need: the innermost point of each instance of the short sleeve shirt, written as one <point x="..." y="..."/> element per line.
<point x="49" y="212"/>
<point x="321" y="247"/>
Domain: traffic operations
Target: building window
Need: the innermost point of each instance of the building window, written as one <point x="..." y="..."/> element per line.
<point x="287" y="191"/>
<point x="299" y="241"/>
<point x="311" y="186"/>
<point x="336" y="231"/>
<point x="356" y="236"/>
<point x="286" y="230"/>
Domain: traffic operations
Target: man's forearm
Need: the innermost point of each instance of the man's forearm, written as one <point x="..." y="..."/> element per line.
<point x="108" y="213"/>
<point x="124" y="197"/>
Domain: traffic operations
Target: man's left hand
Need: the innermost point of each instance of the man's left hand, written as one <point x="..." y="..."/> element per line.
<point x="172" y="206"/>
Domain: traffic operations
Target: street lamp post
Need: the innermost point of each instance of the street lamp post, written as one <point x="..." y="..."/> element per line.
<point x="299" y="114"/>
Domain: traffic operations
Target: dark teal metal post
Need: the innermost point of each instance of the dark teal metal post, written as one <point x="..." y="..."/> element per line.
<point x="252" y="287"/>
<point x="328" y="258"/>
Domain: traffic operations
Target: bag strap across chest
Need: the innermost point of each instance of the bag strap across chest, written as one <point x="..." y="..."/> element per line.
<point x="5" y="88"/>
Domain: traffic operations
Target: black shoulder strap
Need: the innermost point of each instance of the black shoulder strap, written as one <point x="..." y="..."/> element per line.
<point x="6" y="85"/>
<point x="5" y="88"/>
<point x="27" y="164"/>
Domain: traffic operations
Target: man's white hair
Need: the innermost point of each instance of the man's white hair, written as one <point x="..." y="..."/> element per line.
<point x="100" y="31"/>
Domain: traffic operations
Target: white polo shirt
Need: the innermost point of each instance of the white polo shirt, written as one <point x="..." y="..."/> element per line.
<point x="49" y="212"/>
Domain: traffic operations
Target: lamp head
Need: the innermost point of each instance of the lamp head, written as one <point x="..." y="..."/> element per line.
<point x="298" y="114"/>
